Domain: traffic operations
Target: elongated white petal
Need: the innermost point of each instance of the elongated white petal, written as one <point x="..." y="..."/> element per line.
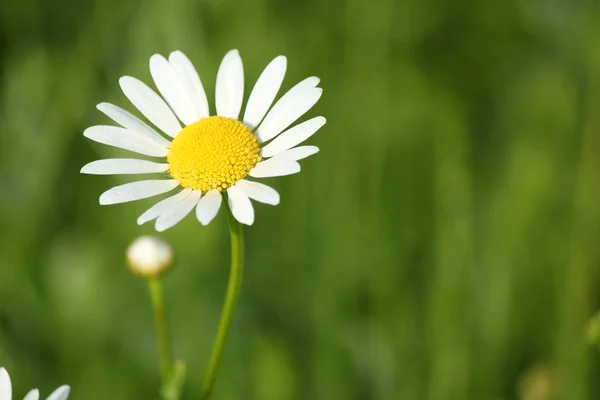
<point x="133" y="123"/>
<point x="230" y="86"/>
<point x="240" y="205"/>
<point x="293" y="137"/>
<point x="117" y="166"/>
<point x="150" y="104"/>
<point x="179" y="212"/>
<point x="163" y="206"/>
<point x="274" y="167"/>
<point x="295" y="103"/>
<point x="208" y="206"/>
<point x="125" y="139"/>
<point x="264" y="91"/>
<point x="62" y="393"/>
<point x="259" y="192"/>
<point x="190" y="79"/>
<point x="33" y="394"/>
<point x="137" y="190"/>
<point x="170" y="86"/>
<point x="5" y="385"/>
<point x="298" y="153"/>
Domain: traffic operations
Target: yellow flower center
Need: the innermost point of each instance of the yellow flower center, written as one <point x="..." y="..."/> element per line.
<point x="213" y="153"/>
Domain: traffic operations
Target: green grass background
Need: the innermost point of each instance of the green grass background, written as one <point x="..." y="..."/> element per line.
<point x="444" y="244"/>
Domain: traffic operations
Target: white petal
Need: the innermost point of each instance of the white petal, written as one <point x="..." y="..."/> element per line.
<point x="5" y="385"/>
<point x="137" y="190"/>
<point x="33" y="394"/>
<point x="125" y="139"/>
<point x="259" y="192"/>
<point x="61" y="393"/>
<point x="190" y="79"/>
<point x="275" y="166"/>
<point x="230" y="86"/>
<point x="131" y="122"/>
<point x="179" y="212"/>
<point x="208" y="206"/>
<point x="170" y="86"/>
<point x="295" y="103"/>
<point x="264" y="91"/>
<point x="299" y="153"/>
<point x="116" y="166"/>
<point x="150" y="104"/>
<point x="240" y="205"/>
<point x="293" y="137"/>
<point x="163" y="206"/>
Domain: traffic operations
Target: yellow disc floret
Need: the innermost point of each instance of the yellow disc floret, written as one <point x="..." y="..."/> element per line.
<point x="213" y="153"/>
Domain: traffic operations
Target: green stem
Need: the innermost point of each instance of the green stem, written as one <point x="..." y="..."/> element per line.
<point x="233" y="291"/>
<point x="162" y="332"/>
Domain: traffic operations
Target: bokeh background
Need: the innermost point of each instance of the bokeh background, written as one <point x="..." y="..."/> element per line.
<point x="444" y="244"/>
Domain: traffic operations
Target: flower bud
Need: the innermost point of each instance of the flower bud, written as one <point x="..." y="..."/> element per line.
<point x="149" y="257"/>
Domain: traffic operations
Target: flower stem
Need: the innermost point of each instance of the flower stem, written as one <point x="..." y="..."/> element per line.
<point x="162" y="332"/>
<point x="233" y="291"/>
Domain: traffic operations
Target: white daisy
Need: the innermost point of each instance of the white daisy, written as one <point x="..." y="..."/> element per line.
<point x="210" y="155"/>
<point x="6" y="390"/>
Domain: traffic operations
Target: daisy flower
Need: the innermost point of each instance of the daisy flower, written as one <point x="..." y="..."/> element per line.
<point x="208" y="156"/>
<point x="6" y="390"/>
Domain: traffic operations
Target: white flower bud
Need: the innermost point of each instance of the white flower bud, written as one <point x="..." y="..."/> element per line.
<point x="149" y="256"/>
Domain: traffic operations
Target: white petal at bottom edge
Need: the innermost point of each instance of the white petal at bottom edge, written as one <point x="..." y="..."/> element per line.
<point x="121" y="166"/>
<point x="179" y="212"/>
<point x="240" y="205"/>
<point x="137" y="190"/>
<point x="259" y="192"/>
<point x="5" y="385"/>
<point x="33" y="394"/>
<point x="61" y="393"/>
<point x="208" y="206"/>
<point x="275" y="166"/>
<point x="163" y="206"/>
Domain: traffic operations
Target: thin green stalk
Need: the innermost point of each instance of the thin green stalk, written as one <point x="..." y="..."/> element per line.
<point x="162" y="332"/>
<point x="233" y="291"/>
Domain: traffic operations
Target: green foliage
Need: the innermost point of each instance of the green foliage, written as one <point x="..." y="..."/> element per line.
<point x="443" y="244"/>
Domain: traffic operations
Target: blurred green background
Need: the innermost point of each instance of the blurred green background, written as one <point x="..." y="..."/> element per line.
<point x="444" y="244"/>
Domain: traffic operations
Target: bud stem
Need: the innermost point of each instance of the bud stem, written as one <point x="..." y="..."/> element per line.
<point x="162" y="332"/>
<point x="231" y="297"/>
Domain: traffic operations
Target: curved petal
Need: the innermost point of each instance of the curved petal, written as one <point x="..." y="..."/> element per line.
<point x="230" y="86"/>
<point x="117" y="166"/>
<point x="179" y="212"/>
<point x="150" y="104"/>
<point x="293" y="137"/>
<point x="190" y="79"/>
<point x="171" y="88"/>
<point x="5" y="385"/>
<point x="259" y="192"/>
<point x="299" y="153"/>
<point x="163" y="206"/>
<point x="208" y="206"/>
<point x="295" y="103"/>
<point x="61" y="393"/>
<point x="125" y="139"/>
<point x="240" y="205"/>
<point x="264" y="91"/>
<point x="33" y="394"/>
<point x="275" y="166"/>
<point x="137" y="190"/>
<point x="133" y="123"/>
